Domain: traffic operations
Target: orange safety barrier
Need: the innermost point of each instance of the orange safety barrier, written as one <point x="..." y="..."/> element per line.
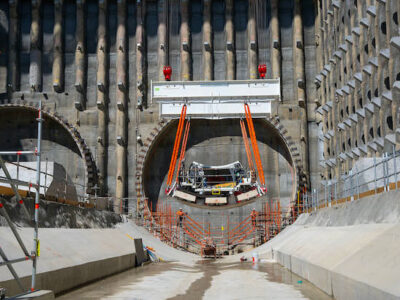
<point x="183" y="150"/>
<point x="254" y="143"/>
<point x="246" y="145"/>
<point x="177" y="143"/>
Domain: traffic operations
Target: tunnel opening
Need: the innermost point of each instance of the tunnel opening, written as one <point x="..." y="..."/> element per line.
<point x="59" y="146"/>
<point x="216" y="143"/>
<point x="219" y="143"/>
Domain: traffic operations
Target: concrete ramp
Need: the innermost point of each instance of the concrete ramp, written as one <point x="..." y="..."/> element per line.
<point x="69" y="257"/>
<point x="350" y="251"/>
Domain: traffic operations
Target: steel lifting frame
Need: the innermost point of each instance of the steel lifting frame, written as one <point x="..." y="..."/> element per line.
<point x="34" y="253"/>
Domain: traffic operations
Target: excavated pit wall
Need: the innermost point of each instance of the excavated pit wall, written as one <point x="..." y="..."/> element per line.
<point x="94" y="75"/>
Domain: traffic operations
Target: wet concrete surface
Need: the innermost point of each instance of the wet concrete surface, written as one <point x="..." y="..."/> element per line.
<point x="204" y="280"/>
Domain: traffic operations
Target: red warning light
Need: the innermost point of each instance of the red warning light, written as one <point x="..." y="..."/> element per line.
<point x="167" y="70"/>
<point x="262" y="70"/>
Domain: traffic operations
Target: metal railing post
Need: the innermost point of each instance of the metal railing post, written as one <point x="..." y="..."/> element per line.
<point x="394" y="166"/>
<point x="17" y="171"/>
<point x="37" y="198"/>
<point x="375" y="174"/>
<point x="358" y="183"/>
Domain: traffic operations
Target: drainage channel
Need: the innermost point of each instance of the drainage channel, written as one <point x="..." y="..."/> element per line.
<point x="203" y="280"/>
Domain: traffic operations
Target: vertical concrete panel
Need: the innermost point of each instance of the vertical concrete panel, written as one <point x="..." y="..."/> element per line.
<point x="140" y="57"/>
<point x="196" y="39"/>
<point x="162" y="34"/>
<point x="186" y="73"/>
<point x="219" y="40"/>
<point x="230" y="40"/>
<point x="13" y="75"/>
<point x="35" y="67"/>
<point x="174" y="23"/>
<point x="132" y="111"/>
<point x="69" y="45"/>
<point x="102" y="96"/>
<point x="252" y="48"/>
<point x="300" y="84"/>
<point x="207" y="41"/>
<point x="275" y="41"/>
<point x="286" y="38"/>
<point x="80" y="56"/>
<point x="241" y="15"/>
<point x="121" y="120"/>
<point x="58" y="46"/>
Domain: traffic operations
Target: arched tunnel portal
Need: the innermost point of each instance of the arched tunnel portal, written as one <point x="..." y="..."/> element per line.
<point x="219" y="142"/>
<point x="61" y="142"/>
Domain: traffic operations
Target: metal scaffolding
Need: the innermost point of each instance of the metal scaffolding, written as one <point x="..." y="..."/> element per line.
<point x="34" y="222"/>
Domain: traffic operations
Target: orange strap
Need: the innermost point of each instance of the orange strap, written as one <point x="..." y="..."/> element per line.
<point x="176" y="146"/>
<point x="246" y="145"/>
<point x="254" y="143"/>
<point x="183" y="149"/>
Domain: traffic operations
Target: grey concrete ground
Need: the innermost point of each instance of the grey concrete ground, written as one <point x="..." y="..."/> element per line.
<point x="204" y="280"/>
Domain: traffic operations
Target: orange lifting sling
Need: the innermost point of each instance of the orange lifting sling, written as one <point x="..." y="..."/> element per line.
<point x="176" y="148"/>
<point x="247" y="146"/>
<point x="254" y="144"/>
<point x="183" y="149"/>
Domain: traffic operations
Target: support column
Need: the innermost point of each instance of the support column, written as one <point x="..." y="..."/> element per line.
<point x="140" y="57"/>
<point x="58" y="64"/>
<point x="252" y="59"/>
<point x="162" y="37"/>
<point x="13" y="48"/>
<point x="80" y="56"/>
<point x="121" y="119"/>
<point x="185" y="42"/>
<point x="35" y="67"/>
<point x="275" y="40"/>
<point x="208" y="71"/>
<point x="102" y="96"/>
<point x="298" y="59"/>
<point x="230" y="41"/>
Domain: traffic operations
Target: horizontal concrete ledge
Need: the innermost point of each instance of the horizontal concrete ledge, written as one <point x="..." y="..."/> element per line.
<point x="71" y="257"/>
<point x="332" y="283"/>
<point x="65" y="279"/>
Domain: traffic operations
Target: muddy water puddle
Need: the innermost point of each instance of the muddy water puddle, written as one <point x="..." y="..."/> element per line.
<point x="203" y="280"/>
